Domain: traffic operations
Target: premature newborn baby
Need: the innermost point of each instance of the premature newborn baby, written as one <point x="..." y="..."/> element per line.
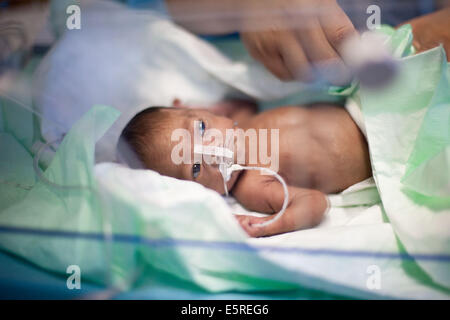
<point x="319" y="150"/>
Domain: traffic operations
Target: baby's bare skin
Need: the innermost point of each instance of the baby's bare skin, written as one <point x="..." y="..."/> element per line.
<point x="321" y="150"/>
<point x="320" y="147"/>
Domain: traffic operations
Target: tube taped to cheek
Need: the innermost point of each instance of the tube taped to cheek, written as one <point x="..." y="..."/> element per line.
<point x="213" y="151"/>
<point x="226" y="168"/>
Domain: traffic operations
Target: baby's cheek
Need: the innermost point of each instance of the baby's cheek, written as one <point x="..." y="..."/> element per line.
<point x="212" y="181"/>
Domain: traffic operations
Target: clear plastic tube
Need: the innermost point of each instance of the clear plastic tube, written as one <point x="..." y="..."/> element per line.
<point x="237" y="167"/>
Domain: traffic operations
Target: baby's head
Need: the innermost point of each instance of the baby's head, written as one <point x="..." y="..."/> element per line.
<point x="149" y="136"/>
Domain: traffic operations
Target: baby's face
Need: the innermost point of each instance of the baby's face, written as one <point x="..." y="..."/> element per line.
<point x="206" y="174"/>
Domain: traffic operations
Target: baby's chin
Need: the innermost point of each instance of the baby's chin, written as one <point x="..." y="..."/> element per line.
<point x="234" y="177"/>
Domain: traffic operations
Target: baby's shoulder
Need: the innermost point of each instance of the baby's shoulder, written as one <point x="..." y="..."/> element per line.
<point x="282" y="117"/>
<point x="287" y="111"/>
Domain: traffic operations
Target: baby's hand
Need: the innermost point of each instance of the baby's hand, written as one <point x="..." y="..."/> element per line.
<point x="305" y="210"/>
<point x="251" y="225"/>
<point x="248" y="224"/>
<point x="261" y="193"/>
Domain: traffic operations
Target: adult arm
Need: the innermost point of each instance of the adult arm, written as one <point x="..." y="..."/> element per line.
<point x="432" y="30"/>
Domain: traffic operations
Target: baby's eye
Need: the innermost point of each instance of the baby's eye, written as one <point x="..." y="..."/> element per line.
<point x="201" y="127"/>
<point x="195" y="170"/>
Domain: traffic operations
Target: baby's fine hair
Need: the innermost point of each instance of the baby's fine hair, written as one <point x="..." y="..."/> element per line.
<point x="136" y="145"/>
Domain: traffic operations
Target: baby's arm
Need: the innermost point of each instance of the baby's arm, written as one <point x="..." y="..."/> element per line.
<point x="265" y="194"/>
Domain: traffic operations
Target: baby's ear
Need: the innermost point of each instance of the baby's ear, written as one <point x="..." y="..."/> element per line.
<point x="177" y="103"/>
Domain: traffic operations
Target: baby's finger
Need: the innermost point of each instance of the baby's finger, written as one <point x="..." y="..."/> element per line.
<point x="252" y="225"/>
<point x="246" y="223"/>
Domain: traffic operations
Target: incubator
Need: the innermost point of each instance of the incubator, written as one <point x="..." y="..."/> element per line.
<point x="65" y="200"/>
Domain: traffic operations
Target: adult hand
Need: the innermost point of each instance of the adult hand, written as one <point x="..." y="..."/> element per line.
<point x="289" y="37"/>
<point x="294" y="38"/>
<point x="432" y="30"/>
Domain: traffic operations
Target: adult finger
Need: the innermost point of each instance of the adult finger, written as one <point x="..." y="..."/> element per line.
<point x="294" y="58"/>
<point x="322" y="55"/>
<point x="265" y="50"/>
<point x="336" y="25"/>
